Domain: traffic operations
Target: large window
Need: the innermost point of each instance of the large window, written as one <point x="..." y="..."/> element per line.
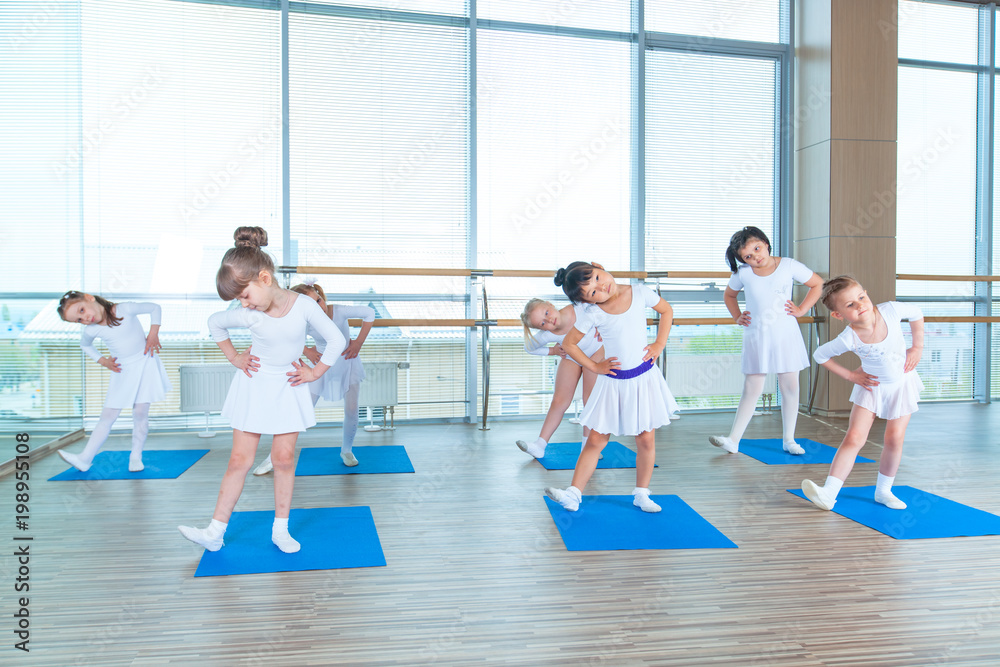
<point x="500" y="135"/>
<point x="944" y="189"/>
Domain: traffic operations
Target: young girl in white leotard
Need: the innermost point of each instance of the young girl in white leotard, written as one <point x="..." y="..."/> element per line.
<point x="138" y="376"/>
<point x="343" y="381"/>
<point x="772" y="342"/>
<point x="886" y="386"/>
<point x="268" y="393"/>
<point x="630" y="396"/>
<point x="553" y="324"/>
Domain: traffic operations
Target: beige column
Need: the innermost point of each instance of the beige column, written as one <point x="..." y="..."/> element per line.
<point x="845" y="156"/>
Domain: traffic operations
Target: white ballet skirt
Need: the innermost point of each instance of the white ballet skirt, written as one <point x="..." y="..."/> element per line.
<point x="773" y="342"/>
<point x="897" y="392"/>
<point x="626" y="406"/>
<point x="266" y="402"/>
<point x="143" y="378"/>
<point x="539" y="345"/>
<point x="336" y="381"/>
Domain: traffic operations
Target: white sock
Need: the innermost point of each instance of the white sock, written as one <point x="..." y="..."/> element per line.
<point x="281" y="538"/>
<point x="536" y="448"/>
<point x="884" y="483"/>
<point x="833" y="486"/>
<point x="216" y="528"/>
<point x="884" y="495"/>
<point x="640" y="498"/>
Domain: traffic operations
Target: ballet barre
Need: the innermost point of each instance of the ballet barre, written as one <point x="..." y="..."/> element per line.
<point x="485" y="273"/>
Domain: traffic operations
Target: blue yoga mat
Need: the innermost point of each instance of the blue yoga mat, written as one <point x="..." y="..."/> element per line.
<point x="114" y="465"/>
<point x="926" y="515"/>
<point x="331" y="538"/>
<point x="769" y="451"/>
<point x="608" y="523"/>
<point x="563" y="456"/>
<point x="326" y="461"/>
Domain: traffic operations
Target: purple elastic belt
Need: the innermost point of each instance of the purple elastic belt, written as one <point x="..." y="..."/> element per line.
<point x="620" y="374"/>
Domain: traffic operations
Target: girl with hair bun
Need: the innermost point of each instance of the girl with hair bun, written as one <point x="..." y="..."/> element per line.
<point x="138" y="377"/>
<point x="772" y="342"/>
<point x="553" y="324"/>
<point x="268" y="394"/>
<point x="625" y="401"/>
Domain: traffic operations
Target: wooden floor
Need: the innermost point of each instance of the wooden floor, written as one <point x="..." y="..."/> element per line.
<point x="477" y="573"/>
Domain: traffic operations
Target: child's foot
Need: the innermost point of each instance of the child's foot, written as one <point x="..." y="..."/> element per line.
<point x="284" y="541"/>
<point x="264" y="467"/>
<point x="568" y="499"/>
<point x="818" y="495"/>
<point x="724" y="442"/>
<point x="135" y="462"/>
<point x="74" y="461"/>
<point x="348" y="459"/>
<point x="201" y="537"/>
<point x="792" y="447"/>
<point x="892" y="502"/>
<point x="640" y="498"/>
<point x="536" y="448"/>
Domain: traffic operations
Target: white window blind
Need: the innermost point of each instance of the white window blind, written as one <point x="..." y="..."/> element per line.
<point x="605" y="15"/>
<point x="710" y="156"/>
<point x="752" y="20"/>
<point x="933" y="31"/>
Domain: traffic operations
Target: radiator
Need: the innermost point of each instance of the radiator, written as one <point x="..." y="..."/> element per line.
<point x="706" y="375"/>
<point x="380" y="390"/>
<point x="204" y="388"/>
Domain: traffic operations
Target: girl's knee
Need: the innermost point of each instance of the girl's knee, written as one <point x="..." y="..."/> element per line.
<point x="240" y="462"/>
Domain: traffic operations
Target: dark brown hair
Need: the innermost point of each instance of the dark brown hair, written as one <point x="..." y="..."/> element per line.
<point x="573" y="278"/>
<point x="243" y="263"/>
<point x="739" y="240"/>
<point x="72" y="296"/>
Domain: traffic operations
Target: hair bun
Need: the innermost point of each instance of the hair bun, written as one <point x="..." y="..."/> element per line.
<point x="560" y="277"/>
<point x="250" y="237"/>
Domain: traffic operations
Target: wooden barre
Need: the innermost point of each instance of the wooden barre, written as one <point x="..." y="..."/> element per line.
<point x="498" y="273"/>
<point x="962" y="318"/>
<point x="678" y="321"/>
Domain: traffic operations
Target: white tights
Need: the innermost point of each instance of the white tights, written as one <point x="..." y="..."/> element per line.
<point x="140" y="429"/>
<point x="351" y="399"/>
<point x="788" y="383"/>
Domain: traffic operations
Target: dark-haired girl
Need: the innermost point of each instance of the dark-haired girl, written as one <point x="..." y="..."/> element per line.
<point x="138" y="377"/>
<point x="629" y="396"/>
<point x="268" y="394"/>
<point x="772" y="341"/>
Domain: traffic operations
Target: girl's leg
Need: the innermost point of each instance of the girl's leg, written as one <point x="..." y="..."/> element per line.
<point x="97" y="437"/>
<point x="351" y="400"/>
<point x="585" y="466"/>
<point x="645" y="459"/>
<point x="788" y="384"/>
<point x="240" y="460"/>
<point x="283" y="459"/>
<point x="567" y="376"/>
<point x="843" y="461"/>
<point x="753" y="385"/>
<point x="140" y="429"/>
<point x="265" y="465"/>
<point x="888" y="463"/>
<point x="589" y="380"/>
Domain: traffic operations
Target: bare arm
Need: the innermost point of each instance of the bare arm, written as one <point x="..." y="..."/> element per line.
<point x="815" y="285"/>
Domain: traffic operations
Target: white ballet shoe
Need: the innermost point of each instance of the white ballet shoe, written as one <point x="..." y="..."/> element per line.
<point x="74" y="461"/>
<point x="792" y="447"/>
<point x="201" y="537"/>
<point x="285" y="542"/>
<point x="818" y="495"/>
<point x="135" y="463"/>
<point x="568" y="500"/>
<point x="533" y="448"/>
<point x="348" y="459"/>
<point x="265" y="467"/>
<point x="641" y="500"/>
<point x="724" y="442"/>
<point x="889" y="500"/>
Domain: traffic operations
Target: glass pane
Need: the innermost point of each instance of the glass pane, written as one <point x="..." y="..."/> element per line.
<point x="752" y="20"/>
<point x="931" y="31"/>
<point x="605" y="15"/>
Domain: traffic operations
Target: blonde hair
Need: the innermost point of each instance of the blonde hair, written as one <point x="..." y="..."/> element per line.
<point x="529" y="338"/>
<point x="72" y="296"/>
<point x="243" y="263"/>
<point x="303" y="288"/>
<point x="833" y="287"/>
